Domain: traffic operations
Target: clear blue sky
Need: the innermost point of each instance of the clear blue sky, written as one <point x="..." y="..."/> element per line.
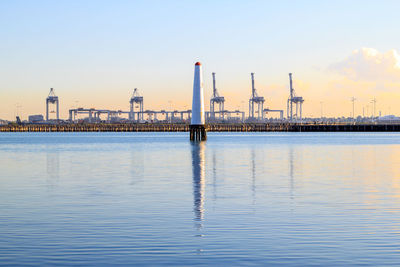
<point x="96" y="52"/>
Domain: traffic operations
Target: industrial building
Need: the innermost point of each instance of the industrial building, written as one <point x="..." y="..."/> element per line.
<point x="35" y="118"/>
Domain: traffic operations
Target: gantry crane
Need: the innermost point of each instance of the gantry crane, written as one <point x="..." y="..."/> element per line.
<point x="255" y="100"/>
<point x="136" y="99"/>
<point x="293" y="99"/>
<point x="52" y="99"/>
<point x="216" y="99"/>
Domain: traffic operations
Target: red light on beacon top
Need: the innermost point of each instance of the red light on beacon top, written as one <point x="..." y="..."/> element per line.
<point x="198" y="64"/>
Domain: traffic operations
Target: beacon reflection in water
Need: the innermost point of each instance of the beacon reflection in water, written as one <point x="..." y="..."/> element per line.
<point x="198" y="165"/>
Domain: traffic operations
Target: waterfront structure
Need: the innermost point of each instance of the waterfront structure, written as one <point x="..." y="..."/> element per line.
<point x="52" y="99"/>
<point x="136" y="99"/>
<point x="197" y="124"/>
<point x="94" y="115"/>
<point x="35" y="118"/>
<point x="216" y="99"/>
<point x="293" y="99"/>
<point x="255" y="100"/>
<point x="267" y="110"/>
<point x="385" y="124"/>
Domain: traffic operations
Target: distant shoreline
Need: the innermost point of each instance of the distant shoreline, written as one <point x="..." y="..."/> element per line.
<point x="214" y="127"/>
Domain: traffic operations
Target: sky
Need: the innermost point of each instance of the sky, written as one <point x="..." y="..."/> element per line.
<point x="94" y="53"/>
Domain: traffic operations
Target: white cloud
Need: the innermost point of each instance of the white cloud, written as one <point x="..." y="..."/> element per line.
<point x="368" y="64"/>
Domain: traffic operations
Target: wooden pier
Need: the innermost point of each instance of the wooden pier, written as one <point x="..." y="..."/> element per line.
<point x="215" y="127"/>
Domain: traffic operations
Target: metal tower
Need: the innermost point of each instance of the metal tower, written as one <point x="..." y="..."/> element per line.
<point x="293" y="99"/>
<point x="52" y="99"/>
<point x="136" y="99"/>
<point x="353" y="99"/>
<point x="255" y="99"/>
<point x="216" y="99"/>
<point x="373" y="101"/>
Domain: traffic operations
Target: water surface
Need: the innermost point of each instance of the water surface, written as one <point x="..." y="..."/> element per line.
<point x="237" y="199"/>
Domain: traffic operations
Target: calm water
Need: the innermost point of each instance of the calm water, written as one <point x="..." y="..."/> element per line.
<point x="238" y="199"/>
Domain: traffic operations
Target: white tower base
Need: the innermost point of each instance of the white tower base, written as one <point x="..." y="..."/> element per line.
<point x="197" y="126"/>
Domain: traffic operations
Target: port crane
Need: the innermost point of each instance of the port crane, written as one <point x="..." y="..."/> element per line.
<point x="293" y="99"/>
<point x="255" y="100"/>
<point x="216" y="99"/>
<point x="136" y="99"/>
<point x="52" y="99"/>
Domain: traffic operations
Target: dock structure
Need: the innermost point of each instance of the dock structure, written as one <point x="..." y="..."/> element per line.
<point x="211" y="127"/>
<point x="280" y="111"/>
<point x="94" y="115"/>
<point x="197" y="124"/>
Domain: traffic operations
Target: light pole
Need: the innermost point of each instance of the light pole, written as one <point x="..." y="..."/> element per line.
<point x="172" y="112"/>
<point x="244" y="108"/>
<point x="353" y="99"/>
<point x="321" y="109"/>
<point x="17" y="106"/>
<point x="373" y="101"/>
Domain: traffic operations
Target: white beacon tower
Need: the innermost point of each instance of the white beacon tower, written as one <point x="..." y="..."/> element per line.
<point x="197" y="124"/>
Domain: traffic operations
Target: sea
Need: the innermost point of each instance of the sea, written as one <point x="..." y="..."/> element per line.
<point x="237" y="199"/>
